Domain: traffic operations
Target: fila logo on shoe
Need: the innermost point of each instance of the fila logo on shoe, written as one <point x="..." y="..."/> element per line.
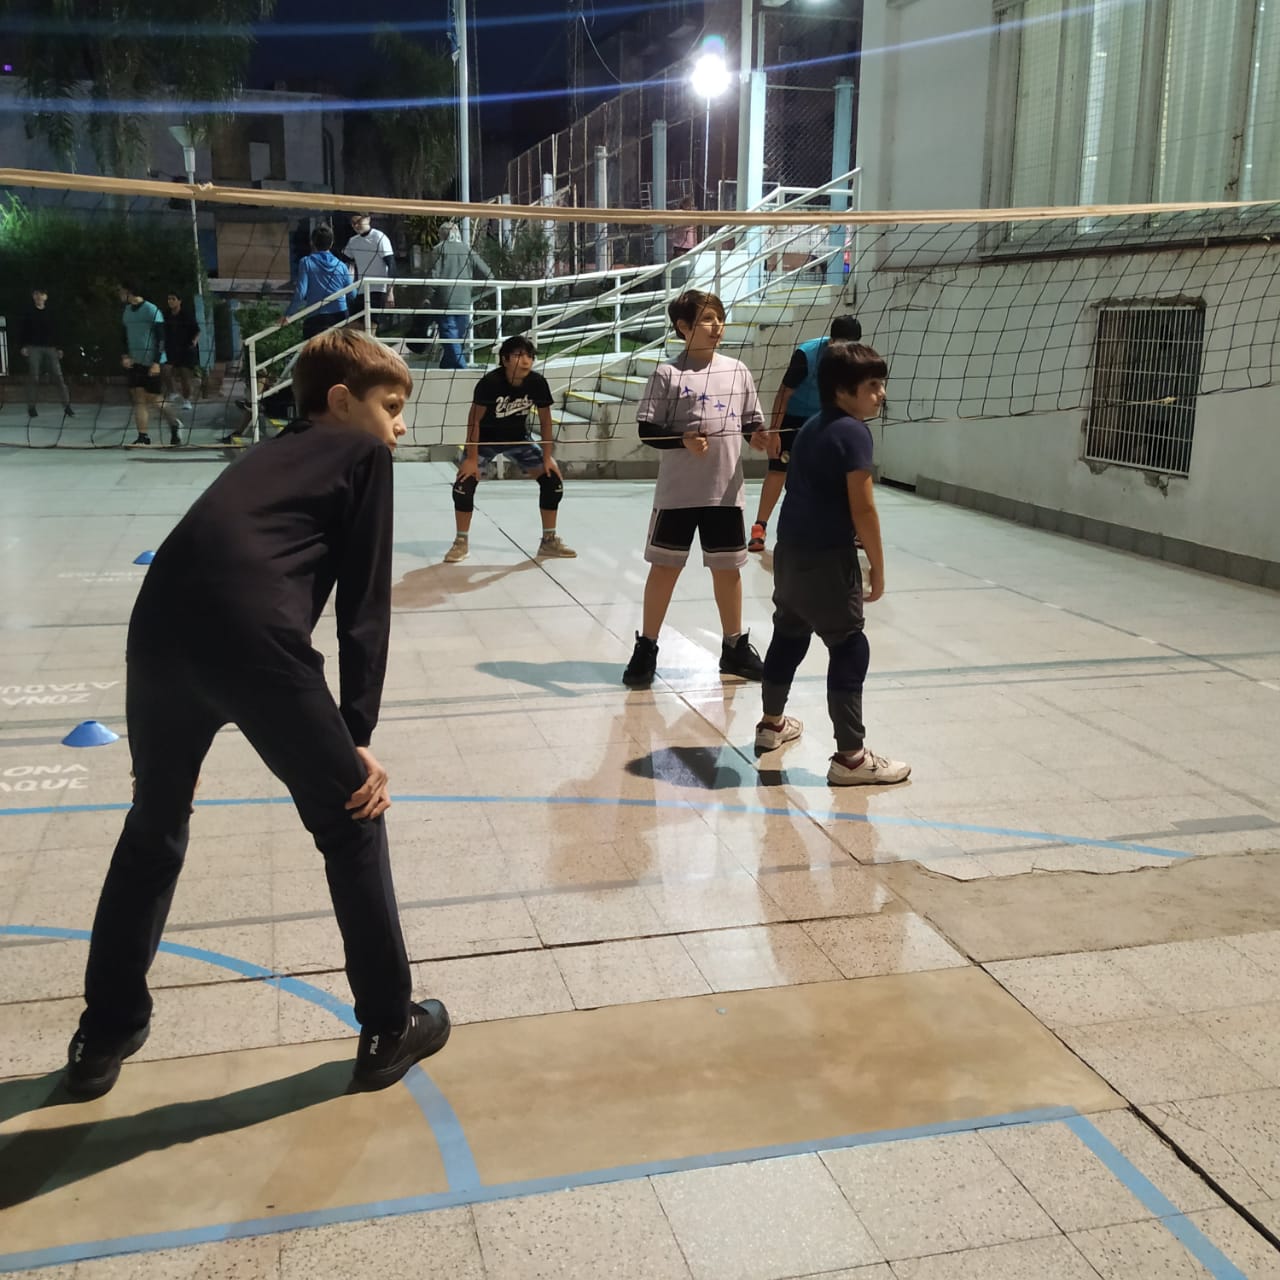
<point x="373" y="1044"/>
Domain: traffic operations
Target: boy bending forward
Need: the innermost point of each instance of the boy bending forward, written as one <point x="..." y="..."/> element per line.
<point x="221" y="634"/>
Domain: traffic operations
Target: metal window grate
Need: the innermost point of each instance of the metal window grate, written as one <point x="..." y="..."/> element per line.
<point x="1146" y="377"/>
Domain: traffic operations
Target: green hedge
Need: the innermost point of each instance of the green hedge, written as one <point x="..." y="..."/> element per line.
<point x="80" y="260"/>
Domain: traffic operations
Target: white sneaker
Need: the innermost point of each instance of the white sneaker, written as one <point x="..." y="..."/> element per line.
<point x="186" y="406"/>
<point x="874" y="771"/>
<point x="459" y="550"/>
<point x="770" y="737"/>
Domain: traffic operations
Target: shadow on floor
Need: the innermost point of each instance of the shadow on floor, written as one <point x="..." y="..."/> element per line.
<point x="715" y="769"/>
<point x="435" y="583"/>
<point x="553" y="677"/>
<point x="38" y="1161"/>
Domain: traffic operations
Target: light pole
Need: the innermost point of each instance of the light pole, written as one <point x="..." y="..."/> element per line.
<point x="464" y="107"/>
<point x="710" y="78"/>
<point x="182" y="136"/>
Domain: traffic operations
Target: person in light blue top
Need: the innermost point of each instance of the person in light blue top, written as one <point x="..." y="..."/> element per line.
<point x="320" y="274"/>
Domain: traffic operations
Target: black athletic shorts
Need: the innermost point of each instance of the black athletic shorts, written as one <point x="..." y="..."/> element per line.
<point x="720" y="530"/>
<point x="141" y="378"/>
<point x="787" y="429"/>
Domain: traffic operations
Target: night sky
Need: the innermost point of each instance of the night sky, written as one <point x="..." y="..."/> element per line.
<point x="509" y="57"/>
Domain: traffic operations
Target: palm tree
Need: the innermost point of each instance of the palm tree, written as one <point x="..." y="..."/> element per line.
<point x="408" y="152"/>
<point x="125" y="52"/>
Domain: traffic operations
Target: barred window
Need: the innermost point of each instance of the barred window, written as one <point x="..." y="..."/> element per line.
<point x="1146" y="377"/>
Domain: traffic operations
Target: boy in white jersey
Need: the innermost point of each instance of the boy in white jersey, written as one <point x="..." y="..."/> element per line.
<point x="698" y="407"/>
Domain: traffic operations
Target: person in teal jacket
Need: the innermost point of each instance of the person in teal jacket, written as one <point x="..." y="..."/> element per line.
<point x="143" y="355"/>
<point x="796" y="402"/>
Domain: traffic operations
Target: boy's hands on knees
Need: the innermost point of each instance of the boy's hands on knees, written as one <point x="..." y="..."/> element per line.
<point x="550" y="467"/>
<point x="373" y="799"/>
<point x="469" y="469"/>
<point x="768" y="442"/>
<point x="696" y="442"/>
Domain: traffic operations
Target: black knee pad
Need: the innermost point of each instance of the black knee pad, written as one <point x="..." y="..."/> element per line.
<point x="550" y="491"/>
<point x="464" y="493"/>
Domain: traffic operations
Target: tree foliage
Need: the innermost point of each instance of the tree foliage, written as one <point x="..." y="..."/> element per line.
<point x="406" y="152"/>
<point x="90" y="62"/>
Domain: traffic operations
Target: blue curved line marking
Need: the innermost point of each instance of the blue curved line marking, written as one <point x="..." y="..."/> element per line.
<point x="778" y="811"/>
<point x="460" y="1168"/>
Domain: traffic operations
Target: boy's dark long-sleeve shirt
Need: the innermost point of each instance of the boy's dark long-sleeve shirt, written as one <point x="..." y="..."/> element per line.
<point x="242" y="580"/>
<point x="38" y="328"/>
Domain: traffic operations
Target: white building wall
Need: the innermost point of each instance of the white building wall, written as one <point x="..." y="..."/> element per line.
<point x="999" y="353"/>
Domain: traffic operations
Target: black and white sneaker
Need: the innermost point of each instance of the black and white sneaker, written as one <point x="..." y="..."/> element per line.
<point x="741" y="659"/>
<point x="383" y="1058"/>
<point x="643" y="665"/>
<point x="143" y="438"/>
<point x="93" y="1069"/>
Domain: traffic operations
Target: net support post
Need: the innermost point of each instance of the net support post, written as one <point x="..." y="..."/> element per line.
<point x="751" y="178"/>
<point x="658" y="182"/>
<point x="841" y="163"/>
<point x="602" y="202"/>
<point x="549" y="228"/>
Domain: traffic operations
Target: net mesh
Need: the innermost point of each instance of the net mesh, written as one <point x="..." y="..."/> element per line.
<point x="1130" y="317"/>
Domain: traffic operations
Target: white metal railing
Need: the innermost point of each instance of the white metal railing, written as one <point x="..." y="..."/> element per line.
<point x="635" y="297"/>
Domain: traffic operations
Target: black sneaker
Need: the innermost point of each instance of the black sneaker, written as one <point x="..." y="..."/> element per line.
<point x="143" y="438"/>
<point x="741" y="659"/>
<point x="175" y="440"/>
<point x="68" y="411"/>
<point x="382" y="1059"/>
<point x="92" y="1070"/>
<point x="31" y="411"/>
<point x="643" y="665"/>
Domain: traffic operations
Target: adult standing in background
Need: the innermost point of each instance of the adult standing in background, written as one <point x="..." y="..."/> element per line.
<point x="143" y="331"/>
<point x="320" y="274"/>
<point x="372" y="258"/>
<point x="181" y="347"/>
<point x="38" y="343"/>
<point x="459" y="263"/>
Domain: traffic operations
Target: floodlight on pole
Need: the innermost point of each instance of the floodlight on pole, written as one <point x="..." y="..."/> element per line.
<point x="709" y="79"/>
<point x="182" y="136"/>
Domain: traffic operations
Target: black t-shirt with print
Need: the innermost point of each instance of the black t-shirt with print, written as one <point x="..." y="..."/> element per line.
<point x="507" y="408"/>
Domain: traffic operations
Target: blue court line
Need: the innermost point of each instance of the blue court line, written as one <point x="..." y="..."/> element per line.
<point x="460" y="1168"/>
<point x="1196" y="1243"/>
<point x="454" y="1198"/>
<point x="624" y="802"/>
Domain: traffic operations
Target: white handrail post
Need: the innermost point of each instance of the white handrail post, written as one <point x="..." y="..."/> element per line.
<point x="252" y="344"/>
<point x="497" y="306"/>
<point x="368" y="320"/>
<point x="617" y="315"/>
<point x="533" y="319"/>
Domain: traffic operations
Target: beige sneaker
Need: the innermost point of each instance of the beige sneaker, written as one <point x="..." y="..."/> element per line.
<point x="770" y="737"/>
<point x="553" y="548"/>
<point x="461" y="546"/>
<point x="874" y="771"/>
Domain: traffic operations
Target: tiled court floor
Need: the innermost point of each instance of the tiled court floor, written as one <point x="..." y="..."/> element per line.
<point x="1019" y="1017"/>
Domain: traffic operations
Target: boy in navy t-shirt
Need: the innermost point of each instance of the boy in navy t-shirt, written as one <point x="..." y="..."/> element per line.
<point x="817" y="580"/>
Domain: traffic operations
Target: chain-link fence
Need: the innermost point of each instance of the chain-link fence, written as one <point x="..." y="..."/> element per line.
<point x="702" y="145"/>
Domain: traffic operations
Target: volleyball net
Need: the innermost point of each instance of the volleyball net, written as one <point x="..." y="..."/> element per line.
<point x="1130" y="314"/>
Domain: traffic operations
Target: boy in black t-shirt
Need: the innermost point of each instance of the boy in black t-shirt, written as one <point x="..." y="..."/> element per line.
<point x="221" y="634"/>
<point x="817" y="580"/>
<point x="499" y="424"/>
